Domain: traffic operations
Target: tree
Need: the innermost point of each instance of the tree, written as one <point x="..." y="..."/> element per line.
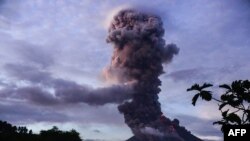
<point x="55" y="134"/>
<point x="234" y="103"/>
<point x="13" y="133"/>
<point x="22" y="130"/>
<point x="7" y="128"/>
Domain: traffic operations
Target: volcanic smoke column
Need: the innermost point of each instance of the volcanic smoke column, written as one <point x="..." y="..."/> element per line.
<point x="139" y="52"/>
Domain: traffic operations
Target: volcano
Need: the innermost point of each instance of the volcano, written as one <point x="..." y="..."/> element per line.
<point x="182" y="132"/>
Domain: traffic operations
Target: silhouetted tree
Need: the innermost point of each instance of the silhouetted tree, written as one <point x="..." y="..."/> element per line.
<point x="30" y="132"/>
<point x="6" y="127"/>
<point x="234" y="103"/>
<point x="22" y="130"/>
<point x="13" y="133"/>
<point x="55" y="134"/>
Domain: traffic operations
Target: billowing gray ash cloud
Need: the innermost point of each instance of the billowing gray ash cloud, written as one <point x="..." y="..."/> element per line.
<point x="138" y="57"/>
<point x="63" y="91"/>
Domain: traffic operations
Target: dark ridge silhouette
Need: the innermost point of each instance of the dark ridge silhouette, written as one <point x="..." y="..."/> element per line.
<point x="14" y="133"/>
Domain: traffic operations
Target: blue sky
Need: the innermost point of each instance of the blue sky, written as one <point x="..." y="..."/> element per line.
<point x="64" y="39"/>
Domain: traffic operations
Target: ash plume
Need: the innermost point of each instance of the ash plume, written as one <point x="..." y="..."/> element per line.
<point x="69" y="95"/>
<point x="138" y="57"/>
<point x="43" y="89"/>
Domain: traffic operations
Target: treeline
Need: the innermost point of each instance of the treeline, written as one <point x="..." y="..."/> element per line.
<point x="9" y="132"/>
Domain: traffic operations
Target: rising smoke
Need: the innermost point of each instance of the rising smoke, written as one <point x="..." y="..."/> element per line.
<point x="70" y="95"/>
<point x="47" y="90"/>
<point x="138" y="57"/>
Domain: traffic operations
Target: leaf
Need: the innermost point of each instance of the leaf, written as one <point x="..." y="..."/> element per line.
<point x="222" y="105"/>
<point x="248" y="115"/>
<point x="234" y="102"/>
<point x="194" y="87"/>
<point x="195" y="99"/>
<point x="225" y="86"/>
<point x="234" y="118"/>
<point x="224" y="114"/>
<point x="197" y="87"/>
<point x="218" y="122"/>
<point x="206" y="95"/>
<point x="237" y="86"/>
<point x="246" y="84"/>
<point x="224" y="97"/>
<point x="246" y="97"/>
<point x="206" y="85"/>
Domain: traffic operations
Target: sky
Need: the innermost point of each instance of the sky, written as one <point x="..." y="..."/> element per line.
<point x="62" y="43"/>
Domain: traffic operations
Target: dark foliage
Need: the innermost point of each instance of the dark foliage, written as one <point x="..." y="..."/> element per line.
<point x="234" y="103"/>
<point x="13" y="133"/>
